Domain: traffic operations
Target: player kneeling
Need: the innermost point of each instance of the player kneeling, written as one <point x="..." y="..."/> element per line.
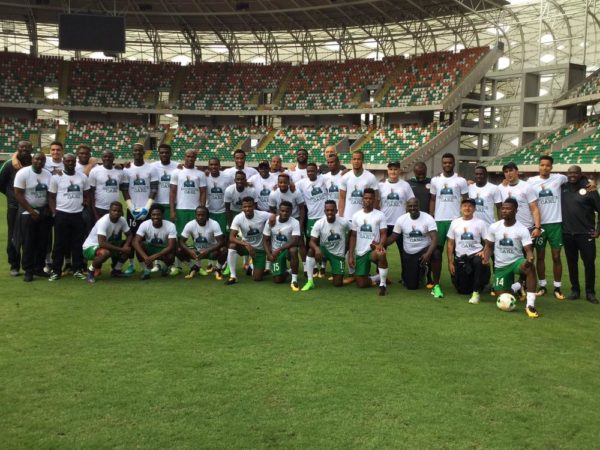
<point x="281" y="245"/>
<point x="208" y="243"/>
<point x="155" y="240"/>
<point x="507" y="239"/>
<point x="104" y="242"/>
<point x="367" y="241"/>
<point x="246" y="239"/>
<point x="328" y="242"/>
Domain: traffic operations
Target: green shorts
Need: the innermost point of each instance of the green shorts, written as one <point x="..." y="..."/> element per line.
<point x="310" y="223"/>
<point x="166" y="209"/>
<point x="338" y="263"/>
<point x="504" y="277"/>
<point x="90" y="252"/>
<point x="183" y="217"/>
<point x="362" y="264"/>
<point x="221" y="219"/>
<point x="442" y="230"/>
<point x="552" y="233"/>
<point x="152" y="249"/>
<point x="259" y="260"/>
<point x="279" y="266"/>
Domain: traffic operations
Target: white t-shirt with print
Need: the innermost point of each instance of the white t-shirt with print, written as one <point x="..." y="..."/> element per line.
<point x="415" y="232"/>
<point x="282" y="232"/>
<point x="354" y="187"/>
<point x="448" y="193"/>
<point x="508" y="242"/>
<point x="393" y="199"/>
<point x="106" y="184"/>
<point x="107" y="228"/>
<point x="468" y="235"/>
<point x="69" y="191"/>
<point x="549" y="195"/>
<point x="203" y="236"/>
<point x="485" y="198"/>
<point x="35" y="186"/>
<point x="188" y="182"/>
<point x="524" y="194"/>
<point x="368" y="227"/>
<point x="251" y="229"/>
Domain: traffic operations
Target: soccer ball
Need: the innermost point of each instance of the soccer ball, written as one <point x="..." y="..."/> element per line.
<point x="506" y="302"/>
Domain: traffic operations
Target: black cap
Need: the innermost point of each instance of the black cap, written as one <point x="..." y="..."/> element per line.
<point x="468" y="200"/>
<point x="394" y="164"/>
<point x="511" y="165"/>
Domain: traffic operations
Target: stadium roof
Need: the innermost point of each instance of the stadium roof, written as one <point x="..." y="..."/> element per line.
<point x="248" y="15"/>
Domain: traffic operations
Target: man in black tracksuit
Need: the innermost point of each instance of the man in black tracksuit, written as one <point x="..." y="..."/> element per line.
<point x="21" y="158"/>
<point x="580" y="231"/>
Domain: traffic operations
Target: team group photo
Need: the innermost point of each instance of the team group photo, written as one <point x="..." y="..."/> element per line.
<point x="308" y="224"/>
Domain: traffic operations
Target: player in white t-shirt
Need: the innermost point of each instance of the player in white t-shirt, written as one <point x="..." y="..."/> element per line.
<point x="418" y="232"/>
<point x="394" y="193"/>
<point x="297" y="172"/>
<point x="235" y="193"/>
<point x="283" y="192"/>
<point x="67" y="197"/>
<point x="239" y="157"/>
<point x="333" y="178"/>
<point x="281" y="242"/>
<point x="548" y="186"/>
<point x="31" y="193"/>
<point x="487" y="196"/>
<point x="54" y="164"/>
<point x="246" y="239"/>
<point x="104" y="185"/>
<point x="353" y="185"/>
<point x="188" y="191"/>
<point x="217" y="183"/>
<point x="264" y="183"/>
<point x="105" y="241"/>
<point x="328" y="242"/>
<point x="155" y="240"/>
<point x="208" y="242"/>
<point x="164" y="168"/>
<point x="528" y="212"/>
<point x="507" y="239"/>
<point x="465" y="252"/>
<point x="314" y="193"/>
<point x="367" y="241"/>
<point x="139" y="188"/>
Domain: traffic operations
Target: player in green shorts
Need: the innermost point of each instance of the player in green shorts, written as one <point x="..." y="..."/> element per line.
<point x="221" y="219"/>
<point x="104" y="242"/>
<point x="328" y="242"/>
<point x="281" y="244"/>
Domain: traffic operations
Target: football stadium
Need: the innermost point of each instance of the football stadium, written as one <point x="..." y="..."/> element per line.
<point x="299" y="224"/>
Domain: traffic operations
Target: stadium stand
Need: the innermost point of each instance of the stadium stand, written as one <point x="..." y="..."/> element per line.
<point x="581" y="151"/>
<point x="334" y="85"/>
<point x="396" y="143"/>
<point x="14" y="130"/>
<point x="23" y="77"/>
<point x="118" y="137"/>
<point x="431" y="77"/>
<point x="287" y="141"/>
<point x="590" y="86"/>
<point x="229" y="86"/>
<point x="127" y="84"/>
<point x="219" y="142"/>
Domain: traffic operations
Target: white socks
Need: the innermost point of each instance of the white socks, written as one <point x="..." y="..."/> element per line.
<point x="309" y="267"/>
<point x="383" y="276"/>
<point x="232" y="257"/>
<point x="531" y="299"/>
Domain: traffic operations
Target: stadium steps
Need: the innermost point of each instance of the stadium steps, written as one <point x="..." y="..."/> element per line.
<point x="61" y="133"/>
<point x="466" y="85"/>
<point x="64" y="81"/>
<point x="265" y="141"/>
<point x="253" y="103"/>
<point x="432" y="147"/>
<point x="276" y="101"/>
<point x="389" y="82"/>
<point x="361" y="141"/>
<point x="168" y="136"/>
<point x="177" y="85"/>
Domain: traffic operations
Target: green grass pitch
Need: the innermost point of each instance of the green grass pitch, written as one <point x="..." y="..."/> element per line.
<point x="172" y="363"/>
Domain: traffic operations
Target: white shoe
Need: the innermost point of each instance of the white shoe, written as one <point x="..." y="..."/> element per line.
<point x="155" y="267"/>
<point x="474" y="300"/>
